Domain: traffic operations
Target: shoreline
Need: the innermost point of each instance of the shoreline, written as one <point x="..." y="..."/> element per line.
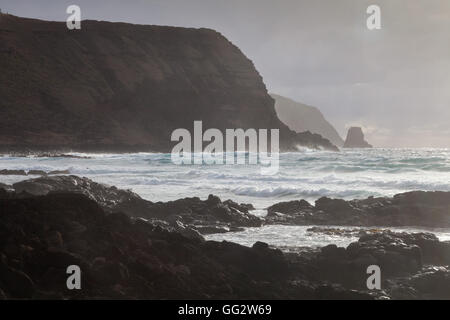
<point x="125" y="257"/>
<point x="422" y="209"/>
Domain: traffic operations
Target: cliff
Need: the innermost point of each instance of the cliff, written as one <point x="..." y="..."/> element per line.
<point x="124" y="87"/>
<point x="355" y="139"/>
<point x="301" y="117"/>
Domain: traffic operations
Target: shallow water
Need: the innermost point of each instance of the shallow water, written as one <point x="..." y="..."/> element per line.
<point x="291" y="237"/>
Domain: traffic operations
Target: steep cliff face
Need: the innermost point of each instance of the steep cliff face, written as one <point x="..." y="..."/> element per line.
<point x="301" y="117"/>
<point x="120" y="87"/>
<point x="355" y="139"/>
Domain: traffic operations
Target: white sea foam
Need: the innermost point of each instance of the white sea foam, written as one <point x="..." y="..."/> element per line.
<point x="291" y="237"/>
<point x="305" y="174"/>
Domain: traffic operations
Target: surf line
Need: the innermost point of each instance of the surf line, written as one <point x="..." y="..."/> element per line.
<point x="236" y="144"/>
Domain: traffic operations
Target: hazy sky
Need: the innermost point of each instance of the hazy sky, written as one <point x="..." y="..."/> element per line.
<point x="394" y="82"/>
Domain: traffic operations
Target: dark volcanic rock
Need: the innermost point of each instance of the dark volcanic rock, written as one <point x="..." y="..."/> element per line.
<point x="55" y="172"/>
<point x="403" y="259"/>
<point x="107" y="197"/>
<point x="133" y="259"/>
<point x="211" y="213"/>
<point x="16" y="282"/>
<point x="13" y="172"/>
<point x="197" y="212"/>
<point x="124" y="87"/>
<point x="432" y="250"/>
<point x="289" y="208"/>
<point x="129" y="258"/>
<point x="6" y="187"/>
<point x="391" y="252"/>
<point x="416" y="208"/>
<point x="37" y="172"/>
<point x="355" y="139"/>
<point x="432" y="282"/>
<point x="26" y="152"/>
<point x="54" y="155"/>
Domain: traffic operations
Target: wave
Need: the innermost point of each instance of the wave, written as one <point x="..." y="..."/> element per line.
<point x="309" y="174"/>
<point x="301" y="192"/>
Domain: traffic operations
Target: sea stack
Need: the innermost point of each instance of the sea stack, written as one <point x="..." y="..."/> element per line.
<point x="355" y="139"/>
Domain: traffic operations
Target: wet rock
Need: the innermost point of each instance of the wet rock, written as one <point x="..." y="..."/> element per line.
<point x="397" y="255"/>
<point x="432" y="250"/>
<point x="58" y="155"/>
<point x="333" y="252"/>
<point x="13" y="172"/>
<point x="2" y="294"/>
<point x="54" y="240"/>
<point x="188" y="211"/>
<point x="206" y="213"/>
<point x="429" y="283"/>
<point x="109" y="273"/>
<point x="390" y="253"/>
<point x="187" y="231"/>
<point x="260" y="245"/>
<point x="432" y="283"/>
<point x="260" y="260"/>
<point x="336" y="292"/>
<point x="213" y="200"/>
<point x="403" y="292"/>
<point x="6" y="188"/>
<point x="56" y="259"/>
<point x="17" y="283"/>
<point x="417" y="208"/>
<point x="289" y="208"/>
<point x="243" y="207"/>
<point x="37" y="172"/>
<point x="123" y="257"/>
<point x="55" y="172"/>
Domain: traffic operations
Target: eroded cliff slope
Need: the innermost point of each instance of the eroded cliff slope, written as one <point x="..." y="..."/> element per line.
<point x="121" y="87"/>
<point x="301" y="117"/>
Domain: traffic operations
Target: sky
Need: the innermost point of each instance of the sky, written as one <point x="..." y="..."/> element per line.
<point x="394" y="82"/>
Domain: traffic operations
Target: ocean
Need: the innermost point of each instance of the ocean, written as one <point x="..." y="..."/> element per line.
<point x="307" y="174"/>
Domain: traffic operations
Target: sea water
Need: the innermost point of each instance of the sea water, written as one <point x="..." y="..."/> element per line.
<point x="307" y="174"/>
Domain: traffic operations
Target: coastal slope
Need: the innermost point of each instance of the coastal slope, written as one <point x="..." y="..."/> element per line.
<point x="301" y="117"/>
<point x="124" y="87"/>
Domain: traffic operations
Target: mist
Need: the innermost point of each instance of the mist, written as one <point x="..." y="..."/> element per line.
<point x="393" y="82"/>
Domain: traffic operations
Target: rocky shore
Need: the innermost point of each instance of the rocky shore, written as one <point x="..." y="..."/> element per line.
<point x="121" y="257"/>
<point x="413" y="266"/>
<point x="131" y="248"/>
<point x="189" y="215"/>
<point x="417" y="208"/>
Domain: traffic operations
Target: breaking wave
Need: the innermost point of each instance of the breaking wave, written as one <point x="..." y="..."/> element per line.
<point x="305" y="174"/>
